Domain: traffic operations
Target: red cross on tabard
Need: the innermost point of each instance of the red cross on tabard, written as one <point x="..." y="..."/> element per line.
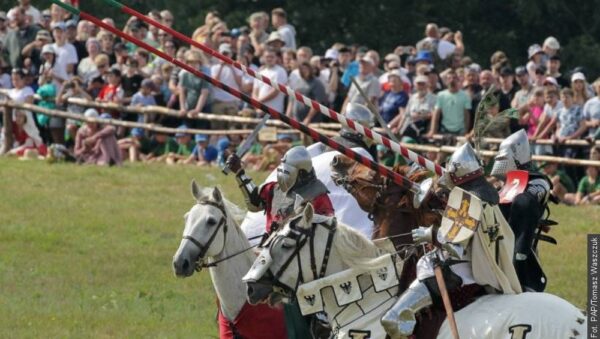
<point x="460" y="218"/>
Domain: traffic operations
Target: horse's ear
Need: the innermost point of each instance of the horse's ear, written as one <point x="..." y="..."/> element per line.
<point x="307" y="216"/>
<point x="217" y="196"/>
<point x="196" y="192"/>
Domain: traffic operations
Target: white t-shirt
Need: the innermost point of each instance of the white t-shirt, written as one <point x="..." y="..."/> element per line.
<point x="19" y="95"/>
<point x="224" y="74"/>
<point x="553" y="112"/>
<point x="445" y="48"/>
<point x="294" y="79"/>
<point x="65" y="55"/>
<point x="31" y="11"/>
<point x="277" y="74"/>
<point x="288" y="34"/>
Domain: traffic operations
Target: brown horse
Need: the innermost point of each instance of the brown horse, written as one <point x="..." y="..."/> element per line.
<point x="389" y="204"/>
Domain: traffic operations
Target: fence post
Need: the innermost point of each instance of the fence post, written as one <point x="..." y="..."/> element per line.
<point x="8" y="132"/>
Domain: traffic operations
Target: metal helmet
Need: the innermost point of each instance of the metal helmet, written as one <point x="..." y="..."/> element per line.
<point x="360" y="114"/>
<point x="295" y="160"/>
<point x="464" y="165"/>
<point x="514" y="153"/>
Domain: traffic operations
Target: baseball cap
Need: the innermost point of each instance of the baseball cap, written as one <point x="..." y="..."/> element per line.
<point x="421" y="79"/>
<point x="331" y="54"/>
<point x="137" y="132"/>
<point x="181" y="128"/>
<point x="48" y="49"/>
<point x="275" y="36"/>
<point x="368" y="59"/>
<point x="521" y="70"/>
<point x="474" y="68"/>
<point x="551" y="81"/>
<point x="533" y="50"/>
<point x="225" y="48"/>
<point x="506" y="71"/>
<point x="392" y="57"/>
<point x="71" y="24"/>
<point x="60" y="25"/>
<point x="395" y="72"/>
<point x="198" y="137"/>
<point x="424" y="56"/>
<point x="147" y="83"/>
<point x="577" y="76"/>
<point x="91" y="113"/>
<point x="46" y="13"/>
<point x="43" y="34"/>
<point x="552" y="42"/>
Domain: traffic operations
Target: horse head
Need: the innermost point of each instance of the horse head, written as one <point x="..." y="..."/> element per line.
<point x="296" y="253"/>
<point x="390" y="205"/>
<point x="204" y="233"/>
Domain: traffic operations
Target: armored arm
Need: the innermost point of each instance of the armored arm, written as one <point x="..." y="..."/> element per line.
<point x="249" y="190"/>
<point x="540" y="188"/>
<point x="254" y="203"/>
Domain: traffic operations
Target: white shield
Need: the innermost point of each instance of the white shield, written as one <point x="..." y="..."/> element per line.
<point x="461" y="217"/>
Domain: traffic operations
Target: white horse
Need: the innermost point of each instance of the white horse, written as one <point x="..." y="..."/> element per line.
<point x="211" y="235"/>
<point x="284" y="263"/>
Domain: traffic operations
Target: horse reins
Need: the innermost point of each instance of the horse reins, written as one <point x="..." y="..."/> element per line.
<point x="305" y="236"/>
<point x="204" y="248"/>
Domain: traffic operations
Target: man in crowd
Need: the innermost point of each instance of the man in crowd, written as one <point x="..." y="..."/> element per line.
<point x="287" y="31"/>
<point x="451" y="114"/>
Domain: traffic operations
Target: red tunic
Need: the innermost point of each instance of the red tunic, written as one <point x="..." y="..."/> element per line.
<point x="254" y="322"/>
<point x="321" y="203"/>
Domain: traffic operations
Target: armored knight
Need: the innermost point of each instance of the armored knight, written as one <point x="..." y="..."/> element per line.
<point x="295" y="177"/>
<point x="359" y="114"/>
<point x="524" y="201"/>
<point x="477" y="248"/>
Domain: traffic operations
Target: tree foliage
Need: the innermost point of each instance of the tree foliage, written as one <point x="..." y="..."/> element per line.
<point x="487" y="26"/>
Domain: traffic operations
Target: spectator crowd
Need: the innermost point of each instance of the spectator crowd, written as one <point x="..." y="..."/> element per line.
<point x="431" y="88"/>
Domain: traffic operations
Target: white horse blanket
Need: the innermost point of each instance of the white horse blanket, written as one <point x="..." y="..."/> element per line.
<point x="346" y="208"/>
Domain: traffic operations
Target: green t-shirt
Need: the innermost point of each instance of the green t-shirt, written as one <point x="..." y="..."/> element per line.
<point x="185" y="149"/>
<point x="566" y="181"/>
<point x="48" y="94"/>
<point x="194" y="87"/>
<point x="453" y="106"/>
<point x="158" y="149"/>
<point x="586" y="187"/>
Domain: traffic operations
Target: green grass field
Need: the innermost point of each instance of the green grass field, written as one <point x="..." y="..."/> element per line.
<point x="86" y="251"/>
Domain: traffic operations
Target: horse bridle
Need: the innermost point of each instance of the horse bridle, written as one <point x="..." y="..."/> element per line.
<point x="302" y="237"/>
<point x="222" y="223"/>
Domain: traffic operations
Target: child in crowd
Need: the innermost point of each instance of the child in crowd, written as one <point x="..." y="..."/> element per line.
<point x="588" y="190"/>
<point x="184" y="149"/>
<point x="72" y="89"/>
<point x="144" y="98"/>
<point x="159" y="147"/>
<point x="136" y="146"/>
<point x="203" y="154"/>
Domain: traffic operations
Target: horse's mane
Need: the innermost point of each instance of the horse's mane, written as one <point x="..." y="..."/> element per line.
<point x="233" y="211"/>
<point x="354" y="248"/>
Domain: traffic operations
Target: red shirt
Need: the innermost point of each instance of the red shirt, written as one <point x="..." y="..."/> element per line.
<point x="254" y="321"/>
<point x="321" y="203"/>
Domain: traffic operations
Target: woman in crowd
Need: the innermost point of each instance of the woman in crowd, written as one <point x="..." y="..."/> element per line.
<point x="96" y="143"/>
<point x="26" y="135"/>
<point x="415" y="119"/>
<point x="311" y="87"/>
<point x="87" y="67"/>
<point x="394" y="100"/>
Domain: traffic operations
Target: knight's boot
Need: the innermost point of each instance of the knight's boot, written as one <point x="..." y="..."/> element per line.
<point x="400" y="320"/>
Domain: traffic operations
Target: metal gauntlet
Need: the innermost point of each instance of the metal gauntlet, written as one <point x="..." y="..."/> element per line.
<point x="250" y="192"/>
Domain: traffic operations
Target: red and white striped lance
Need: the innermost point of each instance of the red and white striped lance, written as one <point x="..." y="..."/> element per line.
<point x="420" y="191"/>
<point x="348" y="123"/>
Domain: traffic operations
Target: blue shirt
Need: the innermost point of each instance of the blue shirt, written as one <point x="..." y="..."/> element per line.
<point x="569" y="120"/>
<point x="138" y="99"/>
<point x="390" y="103"/>
<point x="350" y="72"/>
<point x="209" y="153"/>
